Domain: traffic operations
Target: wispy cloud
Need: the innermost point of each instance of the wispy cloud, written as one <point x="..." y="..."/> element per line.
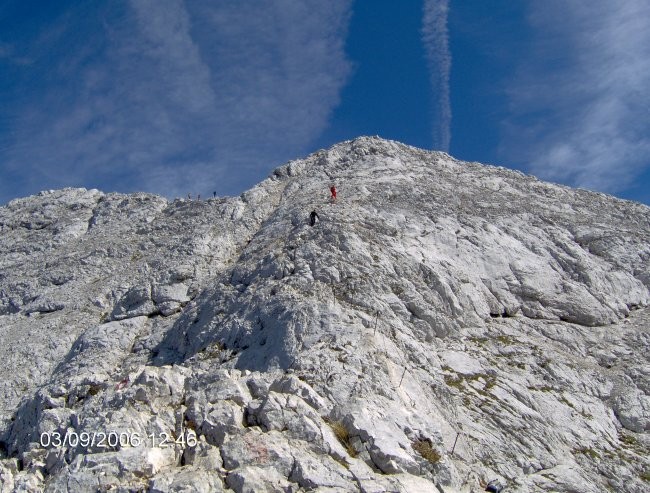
<point x="435" y="37"/>
<point x="8" y="54"/>
<point x="279" y="68"/>
<point x="166" y="40"/>
<point x="580" y="103"/>
<point x="6" y="50"/>
<point x="173" y="97"/>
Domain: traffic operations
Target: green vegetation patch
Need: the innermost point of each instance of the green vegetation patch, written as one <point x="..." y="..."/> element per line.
<point x="426" y="450"/>
<point x="506" y="340"/>
<point x="458" y="381"/>
<point x="343" y="436"/>
<point x="542" y="388"/>
<point x="629" y="440"/>
<point x="453" y="381"/>
<point x="490" y="380"/>
<point x="564" y="400"/>
<point x="588" y="452"/>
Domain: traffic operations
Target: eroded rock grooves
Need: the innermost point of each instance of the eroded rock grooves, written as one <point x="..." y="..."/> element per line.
<point x="228" y="345"/>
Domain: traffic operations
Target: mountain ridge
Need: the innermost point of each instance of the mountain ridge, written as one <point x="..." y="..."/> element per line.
<point x="435" y="300"/>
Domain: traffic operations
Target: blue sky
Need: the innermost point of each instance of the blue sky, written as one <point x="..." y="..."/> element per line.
<point x="178" y="96"/>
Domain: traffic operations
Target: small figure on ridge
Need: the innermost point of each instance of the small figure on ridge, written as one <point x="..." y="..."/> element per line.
<point x="313" y="216"/>
<point x="333" y="192"/>
<point x="494" y="486"/>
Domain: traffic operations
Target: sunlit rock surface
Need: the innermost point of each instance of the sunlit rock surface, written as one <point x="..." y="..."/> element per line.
<point x="227" y="345"/>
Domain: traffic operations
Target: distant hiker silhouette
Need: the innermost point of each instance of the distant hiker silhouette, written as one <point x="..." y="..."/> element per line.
<point x="333" y="192"/>
<point x="494" y="486"/>
<point x="312" y="218"/>
<point x="214" y="194"/>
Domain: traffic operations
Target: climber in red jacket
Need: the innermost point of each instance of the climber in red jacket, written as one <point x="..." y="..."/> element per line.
<point x="333" y="191"/>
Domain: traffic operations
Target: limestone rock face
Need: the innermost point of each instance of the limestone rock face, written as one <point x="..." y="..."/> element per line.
<point x="445" y="324"/>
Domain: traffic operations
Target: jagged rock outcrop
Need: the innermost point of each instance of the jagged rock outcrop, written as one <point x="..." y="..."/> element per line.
<point x="228" y="345"/>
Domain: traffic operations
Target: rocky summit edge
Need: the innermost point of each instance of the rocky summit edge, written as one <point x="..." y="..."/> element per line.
<point x="442" y="326"/>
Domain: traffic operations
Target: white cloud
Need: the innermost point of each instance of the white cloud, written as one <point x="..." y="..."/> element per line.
<point x="166" y="39"/>
<point x="580" y="104"/>
<point x="279" y="68"/>
<point x="6" y="50"/>
<point x="8" y="54"/>
<point x="174" y="97"/>
<point x="435" y="37"/>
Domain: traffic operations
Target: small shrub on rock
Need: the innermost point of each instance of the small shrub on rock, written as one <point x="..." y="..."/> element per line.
<point x="426" y="450"/>
<point x="343" y="436"/>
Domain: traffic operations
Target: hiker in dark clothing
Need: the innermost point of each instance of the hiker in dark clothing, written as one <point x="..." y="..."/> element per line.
<point x="494" y="486"/>
<point x="312" y="218"/>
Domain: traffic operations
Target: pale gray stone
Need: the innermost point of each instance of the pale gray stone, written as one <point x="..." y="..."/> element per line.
<point x="226" y="418"/>
<point x="250" y="479"/>
<point x="187" y="480"/>
<point x="437" y="305"/>
<point x="633" y="411"/>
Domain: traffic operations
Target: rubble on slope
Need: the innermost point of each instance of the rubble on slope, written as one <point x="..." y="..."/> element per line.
<point x="443" y="325"/>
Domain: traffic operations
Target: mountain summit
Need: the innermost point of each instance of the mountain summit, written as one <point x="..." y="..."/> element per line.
<point x="443" y="326"/>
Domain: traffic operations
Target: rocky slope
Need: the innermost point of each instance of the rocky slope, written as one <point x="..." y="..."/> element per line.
<point x="445" y="324"/>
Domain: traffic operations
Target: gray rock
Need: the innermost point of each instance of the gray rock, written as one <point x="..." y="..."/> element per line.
<point x="171" y="292"/>
<point x="187" y="480"/>
<point x="437" y="305"/>
<point x="250" y="479"/>
<point x="225" y="419"/>
<point x="136" y="302"/>
<point x="633" y="411"/>
<point x="292" y="385"/>
<point x="311" y="473"/>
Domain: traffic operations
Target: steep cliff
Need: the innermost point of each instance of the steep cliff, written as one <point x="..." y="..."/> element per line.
<point x="437" y="306"/>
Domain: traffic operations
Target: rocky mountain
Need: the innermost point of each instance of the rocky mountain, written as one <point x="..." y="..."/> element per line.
<point x="444" y="325"/>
